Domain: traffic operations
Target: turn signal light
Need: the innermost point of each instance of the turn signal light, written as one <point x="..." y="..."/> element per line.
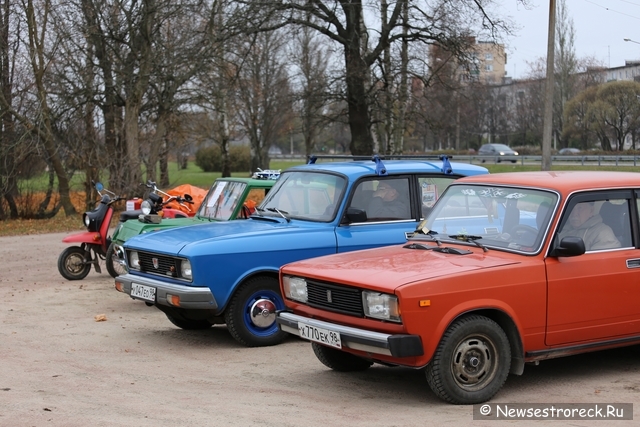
<point x="119" y="287"/>
<point x="425" y="303"/>
<point x="96" y="237"/>
<point x="173" y="300"/>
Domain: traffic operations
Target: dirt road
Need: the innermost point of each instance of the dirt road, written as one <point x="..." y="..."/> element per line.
<point x="61" y="367"/>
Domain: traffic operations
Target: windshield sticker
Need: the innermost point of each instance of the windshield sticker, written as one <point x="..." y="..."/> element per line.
<point x="429" y="194"/>
<point x="499" y="193"/>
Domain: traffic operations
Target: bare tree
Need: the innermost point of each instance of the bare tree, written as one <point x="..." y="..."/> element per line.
<point x="264" y="94"/>
<point x="439" y="22"/>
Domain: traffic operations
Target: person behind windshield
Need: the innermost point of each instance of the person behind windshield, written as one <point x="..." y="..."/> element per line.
<point x="388" y="201"/>
<point x="586" y="224"/>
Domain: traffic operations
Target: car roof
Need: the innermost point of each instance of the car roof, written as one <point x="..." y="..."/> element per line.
<point x="563" y="182"/>
<point x="250" y="181"/>
<point x="357" y="168"/>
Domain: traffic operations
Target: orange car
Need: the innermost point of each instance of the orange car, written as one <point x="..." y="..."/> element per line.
<point x="506" y="269"/>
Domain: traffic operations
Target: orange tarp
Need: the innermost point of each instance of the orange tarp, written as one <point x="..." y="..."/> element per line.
<point x="196" y="193"/>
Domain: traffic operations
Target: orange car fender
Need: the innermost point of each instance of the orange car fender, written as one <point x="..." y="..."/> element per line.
<point x="467" y="307"/>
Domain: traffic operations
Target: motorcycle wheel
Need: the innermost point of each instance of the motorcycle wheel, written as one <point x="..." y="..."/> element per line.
<point x="113" y="262"/>
<point x="72" y="263"/>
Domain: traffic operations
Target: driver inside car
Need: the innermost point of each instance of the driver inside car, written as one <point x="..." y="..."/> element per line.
<point x="390" y="200"/>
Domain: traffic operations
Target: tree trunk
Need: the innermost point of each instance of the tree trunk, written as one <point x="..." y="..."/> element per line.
<point x="358" y="107"/>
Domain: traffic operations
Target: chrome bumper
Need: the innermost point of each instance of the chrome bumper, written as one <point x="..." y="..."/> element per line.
<point x="399" y="345"/>
<point x="190" y="297"/>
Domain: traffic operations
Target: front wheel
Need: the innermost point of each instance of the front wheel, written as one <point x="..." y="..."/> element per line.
<point x="471" y="362"/>
<point x="114" y="263"/>
<point x="339" y="360"/>
<point x="74" y="263"/>
<point x="251" y="314"/>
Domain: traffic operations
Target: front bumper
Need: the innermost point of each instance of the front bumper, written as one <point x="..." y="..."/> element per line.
<point x="398" y="345"/>
<point x="190" y="297"/>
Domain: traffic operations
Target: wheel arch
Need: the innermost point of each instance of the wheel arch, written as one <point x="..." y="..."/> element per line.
<point x="508" y="325"/>
<point x="264" y="272"/>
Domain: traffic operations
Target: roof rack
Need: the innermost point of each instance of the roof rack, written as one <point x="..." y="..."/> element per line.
<point x="313" y="157"/>
<point x="380" y="168"/>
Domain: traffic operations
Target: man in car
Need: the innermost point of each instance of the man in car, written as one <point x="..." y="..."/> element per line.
<point x="586" y="224"/>
<point x="390" y="200"/>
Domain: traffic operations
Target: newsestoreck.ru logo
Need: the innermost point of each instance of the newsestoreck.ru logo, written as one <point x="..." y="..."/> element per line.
<point x="553" y="411"/>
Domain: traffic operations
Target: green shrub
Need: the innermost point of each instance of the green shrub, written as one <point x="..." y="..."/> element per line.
<point x="209" y="159"/>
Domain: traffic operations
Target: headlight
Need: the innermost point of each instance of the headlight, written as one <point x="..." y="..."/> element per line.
<point x="146" y="207"/>
<point x="185" y="269"/>
<point x="134" y="260"/>
<point x="86" y="220"/>
<point x="380" y="306"/>
<point x="295" y="288"/>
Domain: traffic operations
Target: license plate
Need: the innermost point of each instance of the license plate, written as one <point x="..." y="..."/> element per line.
<point x="319" y="335"/>
<point x="143" y="292"/>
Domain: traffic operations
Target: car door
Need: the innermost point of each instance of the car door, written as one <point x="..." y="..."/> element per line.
<point x="595" y="296"/>
<point x="421" y="193"/>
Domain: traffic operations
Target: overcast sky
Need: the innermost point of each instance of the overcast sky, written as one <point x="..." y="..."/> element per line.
<point x="600" y="26"/>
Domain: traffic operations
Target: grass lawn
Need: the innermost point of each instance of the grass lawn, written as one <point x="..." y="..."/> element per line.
<point x="195" y="176"/>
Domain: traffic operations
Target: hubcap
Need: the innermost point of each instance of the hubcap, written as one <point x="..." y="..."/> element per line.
<point x="474" y="363"/>
<point x="263" y="313"/>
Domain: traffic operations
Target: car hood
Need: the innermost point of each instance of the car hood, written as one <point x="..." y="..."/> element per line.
<point x="388" y="268"/>
<point x="175" y="240"/>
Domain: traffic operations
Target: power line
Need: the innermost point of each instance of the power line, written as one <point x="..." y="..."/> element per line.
<point x="615" y="11"/>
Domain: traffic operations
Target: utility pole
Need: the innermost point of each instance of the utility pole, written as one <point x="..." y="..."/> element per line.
<point x="547" y="128"/>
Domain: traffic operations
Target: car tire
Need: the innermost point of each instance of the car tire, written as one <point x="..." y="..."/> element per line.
<point x="74" y="263"/>
<point x="339" y="360"/>
<point x="471" y="362"/>
<point x="114" y="268"/>
<point x="188" y="324"/>
<point x="251" y="314"/>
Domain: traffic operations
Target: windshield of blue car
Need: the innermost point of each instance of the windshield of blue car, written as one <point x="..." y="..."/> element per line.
<point x="312" y="196"/>
<point x="510" y="218"/>
<point x="221" y="200"/>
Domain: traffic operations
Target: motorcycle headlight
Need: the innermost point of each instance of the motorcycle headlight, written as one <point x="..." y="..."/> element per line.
<point x="380" y="306"/>
<point x="185" y="269"/>
<point x="146" y="207"/>
<point x="134" y="260"/>
<point x="295" y="288"/>
<point x="86" y="220"/>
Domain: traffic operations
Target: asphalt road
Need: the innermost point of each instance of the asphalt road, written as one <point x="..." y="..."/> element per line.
<point x="61" y="367"/>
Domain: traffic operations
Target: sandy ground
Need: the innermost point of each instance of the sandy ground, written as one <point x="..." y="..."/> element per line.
<point x="61" y="367"/>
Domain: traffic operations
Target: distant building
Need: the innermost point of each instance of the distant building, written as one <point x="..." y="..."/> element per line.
<point x="487" y="63"/>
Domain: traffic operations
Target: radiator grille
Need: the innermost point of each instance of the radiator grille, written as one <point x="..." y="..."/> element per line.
<point x="167" y="266"/>
<point x="340" y="299"/>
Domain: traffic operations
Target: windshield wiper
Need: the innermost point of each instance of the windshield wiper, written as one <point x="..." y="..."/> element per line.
<point x="418" y="235"/>
<point x="470" y="239"/>
<point x="441" y="249"/>
<point x="281" y="213"/>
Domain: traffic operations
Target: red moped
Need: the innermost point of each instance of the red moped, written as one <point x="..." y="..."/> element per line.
<point x="74" y="263"/>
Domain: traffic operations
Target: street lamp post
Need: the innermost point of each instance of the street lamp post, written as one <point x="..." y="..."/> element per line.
<point x="547" y="121"/>
<point x="632" y="41"/>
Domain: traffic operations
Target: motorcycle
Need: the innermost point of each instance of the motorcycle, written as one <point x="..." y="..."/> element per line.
<point x="151" y="210"/>
<point x="74" y="263"/>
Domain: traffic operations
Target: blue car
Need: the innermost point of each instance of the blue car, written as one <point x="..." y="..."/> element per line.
<point x="227" y="273"/>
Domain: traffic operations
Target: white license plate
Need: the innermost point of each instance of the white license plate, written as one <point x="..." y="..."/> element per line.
<point x="319" y="335"/>
<point x="147" y="293"/>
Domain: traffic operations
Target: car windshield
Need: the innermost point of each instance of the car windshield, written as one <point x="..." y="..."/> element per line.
<point x="510" y="218"/>
<point x="221" y="200"/>
<point x="501" y="147"/>
<point x="312" y="196"/>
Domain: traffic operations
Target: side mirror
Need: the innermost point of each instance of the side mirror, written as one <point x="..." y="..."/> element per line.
<point x="99" y="186"/>
<point x="356" y="215"/>
<point x="569" y="246"/>
<point x="188" y="197"/>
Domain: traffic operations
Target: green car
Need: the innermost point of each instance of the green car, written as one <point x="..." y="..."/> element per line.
<point x="228" y="198"/>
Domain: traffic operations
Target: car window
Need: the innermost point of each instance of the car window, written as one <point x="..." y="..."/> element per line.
<point x="383" y="199"/>
<point x="504" y="217"/>
<point x="601" y="224"/>
<point x="305" y="195"/>
<point x="430" y="190"/>
<point x="221" y="200"/>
